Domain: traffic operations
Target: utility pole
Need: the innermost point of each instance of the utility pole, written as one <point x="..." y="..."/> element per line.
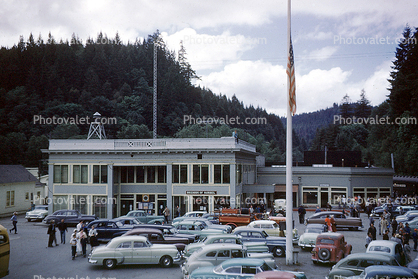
<point x="154" y="108"/>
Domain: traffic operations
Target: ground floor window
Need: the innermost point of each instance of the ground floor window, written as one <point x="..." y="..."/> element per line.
<point x="80" y="203"/>
<point x="100" y="206"/>
<point x="310" y="195"/>
<point x="10" y="198"/>
<point x="60" y="202"/>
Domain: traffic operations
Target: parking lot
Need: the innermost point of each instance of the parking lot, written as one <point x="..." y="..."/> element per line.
<point x="30" y="257"/>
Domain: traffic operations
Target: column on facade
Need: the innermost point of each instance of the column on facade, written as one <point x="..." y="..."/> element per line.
<point x="110" y="191"/>
<point x="50" y="189"/>
<point x="232" y="185"/>
<point x="170" y="188"/>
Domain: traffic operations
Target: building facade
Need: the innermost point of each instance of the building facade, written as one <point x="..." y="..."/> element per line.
<point x="110" y="177"/>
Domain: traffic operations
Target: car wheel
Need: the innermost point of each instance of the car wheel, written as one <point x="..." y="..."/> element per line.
<point x="109" y="263"/>
<point x="324" y="254"/>
<point x="166" y="261"/>
<point x="278" y="251"/>
<point x="28" y="220"/>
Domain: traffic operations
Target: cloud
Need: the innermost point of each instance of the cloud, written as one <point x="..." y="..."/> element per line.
<point x="322" y="54"/>
<point x="206" y="51"/>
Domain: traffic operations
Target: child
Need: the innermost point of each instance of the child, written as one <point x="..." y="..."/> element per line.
<point x="73" y="242"/>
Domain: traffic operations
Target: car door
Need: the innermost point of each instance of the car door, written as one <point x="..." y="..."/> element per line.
<point x="223" y="255"/>
<point x="141" y="253"/>
<point x="244" y="236"/>
<point x="256" y="237"/>
<point x="125" y="249"/>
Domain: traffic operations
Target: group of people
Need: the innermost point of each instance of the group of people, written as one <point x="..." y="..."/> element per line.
<point x="78" y="240"/>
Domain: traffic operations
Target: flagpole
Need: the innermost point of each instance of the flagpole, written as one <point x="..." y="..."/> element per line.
<point x="289" y="197"/>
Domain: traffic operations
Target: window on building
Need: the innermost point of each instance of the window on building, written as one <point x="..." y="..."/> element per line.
<point x="100" y="174"/>
<point x="80" y="174"/>
<point x="100" y="206"/>
<point x="60" y="202"/>
<point x="26" y="196"/>
<point x="140" y="174"/>
<point x="123" y="174"/>
<point x="10" y="198"/>
<point x="200" y="174"/>
<point x="226" y="174"/>
<point x="310" y="195"/>
<point x="162" y="170"/>
<point x="131" y="174"/>
<point x="80" y="203"/>
<point x="150" y="174"/>
<point x="239" y="174"/>
<point x="60" y="174"/>
<point x="179" y="173"/>
<point x="221" y="174"/>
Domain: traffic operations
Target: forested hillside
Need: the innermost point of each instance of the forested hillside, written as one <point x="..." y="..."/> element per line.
<point x="72" y="78"/>
<point x="391" y="127"/>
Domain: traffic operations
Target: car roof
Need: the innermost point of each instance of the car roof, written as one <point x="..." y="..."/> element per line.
<point x="263" y="222"/>
<point x="332" y="235"/>
<point x="327" y="213"/>
<point x="388" y="243"/>
<point x="274" y="274"/>
<point x="238" y="229"/>
<point x="388" y="270"/>
<point x="217" y="246"/>
<point x="242" y="261"/>
<point x="188" y="221"/>
<point x="130" y="238"/>
<point x="361" y="256"/>
<point x="143" y="230"/>
<point x="222" y="236"/>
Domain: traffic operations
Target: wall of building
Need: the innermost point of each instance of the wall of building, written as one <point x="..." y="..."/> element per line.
<point x="23" y="192"/>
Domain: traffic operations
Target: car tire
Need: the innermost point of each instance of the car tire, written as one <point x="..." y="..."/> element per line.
<point x="109" y="263"/>
<point x="166" y="261"/>
<point x="28" y="220"/>
<point x="279" y="251"/>
<point x="324" y="254"/>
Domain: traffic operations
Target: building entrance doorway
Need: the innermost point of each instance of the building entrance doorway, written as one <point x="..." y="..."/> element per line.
<point x="324" y="197"/>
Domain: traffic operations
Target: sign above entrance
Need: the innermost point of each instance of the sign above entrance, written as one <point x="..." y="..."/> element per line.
<point x="201" y="192"/>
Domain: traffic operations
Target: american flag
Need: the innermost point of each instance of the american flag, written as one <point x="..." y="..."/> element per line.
<point x="290" y="71"/>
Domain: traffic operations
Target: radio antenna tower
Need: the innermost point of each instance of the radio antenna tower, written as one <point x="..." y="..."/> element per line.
<point x="96" y="127"/>
<point x="154" y="109"/>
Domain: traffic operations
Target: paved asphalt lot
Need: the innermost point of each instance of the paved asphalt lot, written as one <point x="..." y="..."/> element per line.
<point x="29" y="257"/>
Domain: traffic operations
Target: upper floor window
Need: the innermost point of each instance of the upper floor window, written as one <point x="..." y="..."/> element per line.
<point x="100" y="174"/>
<point x="80" y="174"/>
<point x="179" y="173"/>
<point x="60" y="174"/>
<point x="201" y="174"/>
<point x="221" y="174"/>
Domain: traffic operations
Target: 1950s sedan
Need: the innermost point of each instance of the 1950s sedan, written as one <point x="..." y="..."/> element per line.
<point x="330" y="248"/>
<point x="341" y="221"/>
<point x="134" y="249"/>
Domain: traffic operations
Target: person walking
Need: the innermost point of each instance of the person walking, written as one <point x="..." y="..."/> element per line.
<point x="83" y="241"/>
<point x="328" y="223"/>
<point x="51" y="231"/>
<point x="383" y="225"/>
<point x="178" y="211"/>
<point x="415" y="239"/>
<point x="14" y="222"/>
<point x="368" y="239"/>
<point x="73" y="242"/>
<point x="166" y="214"/>
<point x="372" y="230"/>
<point x="301" y="212"/>
<point x="333" y="224"/>
<point x="386" y="235"/>
<point x="93" y="237"/>
<point x="62" y="227"/>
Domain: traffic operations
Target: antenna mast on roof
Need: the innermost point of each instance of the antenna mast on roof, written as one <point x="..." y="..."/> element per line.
<point x="96" y="127"/>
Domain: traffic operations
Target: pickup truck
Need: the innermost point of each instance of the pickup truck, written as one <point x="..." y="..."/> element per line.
<point x="71" y="217"/>
<point x="236" y="217"/>
<point x="276" y="244"/>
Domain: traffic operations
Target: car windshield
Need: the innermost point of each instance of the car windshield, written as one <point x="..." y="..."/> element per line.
<point x="264" y="234"/>
<point x="40" y="208"/>
<point x="265" y="267"/>
<point x="313" y="230"/>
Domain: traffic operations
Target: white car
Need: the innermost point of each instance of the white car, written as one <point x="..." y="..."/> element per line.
<point x="38" y="213"/>
<point x="272" y="228"/>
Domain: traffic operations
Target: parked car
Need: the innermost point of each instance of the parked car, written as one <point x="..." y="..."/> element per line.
<point x="330" y="248"/>
<point x="354" y="264"/>
<point x="127" y="220"/>
<point x="413" y="224"/>
<point x="195" y="227"/>
<point x="155" y="236"/>
<point x="108" y="229"/>
<point x="405" y="208"/>
<point x="71" y="217"/>
<point x="276" y="244"/>
<point x="134" y="250"/>
<point x="143" y="217"/>
<point x="388" y="247"/>
<point x="191" y="214"/>
<point x="207" y="224"/>
<point x="272" y="228"/>
<point x="413" y="265"/>
<point x="170" y="230"/>
<point x="308" y="239"/>
<point x="37" y="214"/>
<point x="234" y="268"/>
<point x="341" y="221"/>
<point x="386" y="272"/>
<point x="214" y="254"/>
<point x="4" y="252"/>
<point x="251" y="247"/>
<point x="407" y="216"/>
<point x="213" y="217"/>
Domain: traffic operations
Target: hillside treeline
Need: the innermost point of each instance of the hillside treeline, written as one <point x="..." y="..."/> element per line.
<point x="69" y="79"/>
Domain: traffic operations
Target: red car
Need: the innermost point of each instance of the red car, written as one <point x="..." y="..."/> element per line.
<point x="330" y="248"/>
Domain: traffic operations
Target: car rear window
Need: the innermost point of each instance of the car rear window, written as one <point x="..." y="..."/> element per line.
<point x="380" y="249"/>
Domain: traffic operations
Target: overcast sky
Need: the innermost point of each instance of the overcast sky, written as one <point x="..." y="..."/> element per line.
<point x="239" y="47"/>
